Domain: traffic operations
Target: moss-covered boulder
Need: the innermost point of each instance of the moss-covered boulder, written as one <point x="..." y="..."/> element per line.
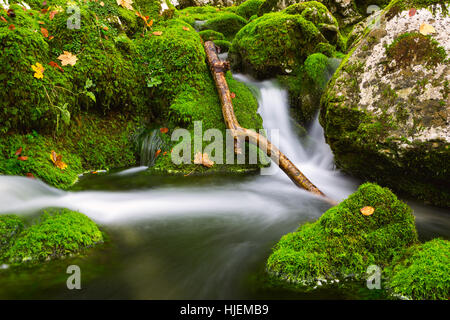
<point x="276" y="43"/>
<point x="249" y="8"/>
<point x="211" y="35"/>
<point x="386" y="111"/>
<point x="344" y="241"/>
<point x="227" y="23"/>
<point x="56" y="234"/>
<point x="422" y="273"/>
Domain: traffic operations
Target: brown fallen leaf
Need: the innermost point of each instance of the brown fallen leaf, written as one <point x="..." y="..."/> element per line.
<point x="367" y="211"/>
<point x="22" y="158"/>
<point x="157" y="153"/>
<point x="164" y="130"/>
<point x="157" y="33"/>
<point x="186" y="28"/>
<point x="412" y="12"/>
<point x="30" y="175"/>
<point x="18" y="152"/>
<point x="44" y="32"/>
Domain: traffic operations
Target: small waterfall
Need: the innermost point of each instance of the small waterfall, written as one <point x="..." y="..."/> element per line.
<point x="148" y="143"/>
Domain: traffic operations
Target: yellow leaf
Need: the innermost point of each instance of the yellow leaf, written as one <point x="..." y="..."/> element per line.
<point x="38" y="70"/>
<point x="68" y="58"/>
<point x="426" y="29"/>
<point x="125" y="3"/>
<point x="57" y="160"/>
<point x="367" y="211"/>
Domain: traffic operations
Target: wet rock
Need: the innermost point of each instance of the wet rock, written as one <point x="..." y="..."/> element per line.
<point x="386" y="111"/>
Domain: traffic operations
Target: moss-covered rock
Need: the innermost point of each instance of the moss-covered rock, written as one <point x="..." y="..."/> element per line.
<point x="422" y="273"/>
<point x="224" y="45"/>
<point x="344" y="241"/>
<point x="249" y="8"/>
<point x="385" y="113"/>
<point x="57" y="234"/>
<point x="211" y="35"/>
<point x="227" y="23"/>
<point x="275" y="43"/>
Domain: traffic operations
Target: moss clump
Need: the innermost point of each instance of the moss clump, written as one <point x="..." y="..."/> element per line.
<point x="273" y="44"/>
<point x="224" y="45"/>
<point x="10" y="227"/>
<point x="316" y="68"/>
<point x="211" y="35"/>
<point x="249" y="8"/>
<point x="193" y="14"/>
<point x="57" y="234"/>
<point x="411" y="49"/>
<point x="344" y="241"/>
<point x="227" y="23"/>
<point x="422" y="272"/>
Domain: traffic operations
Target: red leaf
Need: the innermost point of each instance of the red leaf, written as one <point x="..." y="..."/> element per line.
<point x="44" y="32"/>
<point x="157" y="153"/>
<point x="3" y="19"/>
<point x="23" y="158"/>
<point x="233" y="95"/>
<point x="412" y="12"/>
<point x="30" y="175"/>
<point x="55" y="65"/>
<point x="18" y="152"/>
<point x="164" y="130"/>
<point x="11" y="27"/>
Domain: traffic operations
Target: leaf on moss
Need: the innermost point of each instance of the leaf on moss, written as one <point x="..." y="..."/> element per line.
<point x="57" y="160"/>
<point x="68" y="58"/>
<point x="164" y="130"/>
<point x="367" y="211"/>
<point x="22" y="158"/>
<point x="126" y="4"/>
<point x="44" y="32"/>
<point x="157" y="33"/>
<point x="38" y="70"/>
<point x="18" y="152"/>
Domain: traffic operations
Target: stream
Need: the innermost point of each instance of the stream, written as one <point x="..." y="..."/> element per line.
<point x="194" y="237"/>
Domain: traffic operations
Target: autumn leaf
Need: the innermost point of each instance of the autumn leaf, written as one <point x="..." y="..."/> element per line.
<point x="102" y="3"/>
<point x="18" y="152"/>
<point x="165" y="152"/>
<point x="44" y="32"/>
<point x="22" y="158"/>
<point x="164" y="130"/>
<point x="233" y="95"/>
<point x="157" y="153"/>
<point x="150" y="23"/>
<point x="57" y="160"/>
<point x="367" y="211"/>
<point x="68" y="58"/>
<point x="52" y="14"/>
<point x="412" y="12"/>
<point x="105" y="28"/>
<point x="38" y="70"/>
<point x="185" y="28"/>
<point x="55" y="65"/>
<point x="203" y="159"/>
<point x="30" y="175"/>
<point x="426" y="29"/>
<point x="41" y="22"/>
<point x="11" y="27"/>
<point x="125" y="3"/>
<point x="3" y="19"/>
<point x="157" y="33"/>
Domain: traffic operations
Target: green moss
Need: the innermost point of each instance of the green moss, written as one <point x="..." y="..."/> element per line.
<point x="224" y="45"/>
<point x="227" y="23"/>
<point x="273" y="43"/>
<point x="211" y="35"/>
<point x="344" y="241"/>
<point x="249" y="8"/>
<point x="10" y="227"/>
<point x="316" y="68"/>
<point x="193" y="14"/>
<point x="57" y="234"/>
<point x="326" y="49"/>
<point x="422" y="272"/>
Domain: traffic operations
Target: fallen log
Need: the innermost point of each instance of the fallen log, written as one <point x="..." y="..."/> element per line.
<point x="218" y="70"/>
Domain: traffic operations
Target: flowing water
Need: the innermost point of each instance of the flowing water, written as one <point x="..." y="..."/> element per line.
<point x="194" y="237"/>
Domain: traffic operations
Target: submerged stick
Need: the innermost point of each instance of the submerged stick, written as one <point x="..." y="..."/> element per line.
<point x="218" y="70"/>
